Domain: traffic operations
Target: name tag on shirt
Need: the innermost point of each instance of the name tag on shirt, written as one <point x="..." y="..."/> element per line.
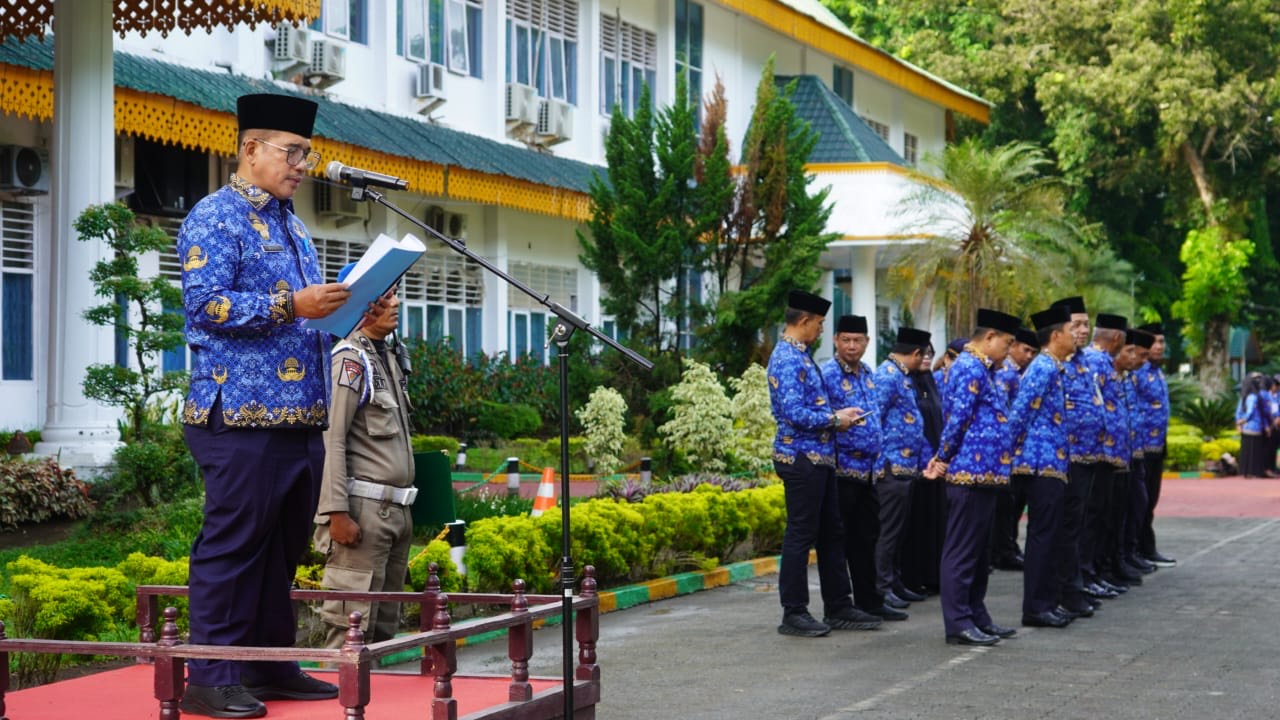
<point x="273" y="248"/>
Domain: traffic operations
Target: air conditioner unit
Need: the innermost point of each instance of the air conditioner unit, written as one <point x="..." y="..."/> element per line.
<point x="555" y="122"/>
<point x="436" y="218"/>
<point x="124" y="162"/>
<point x="335" y="203"/>
<point x="328" y="63"/>
<point x="24" y="169"/>
<point x="428" y="85"/>
<point x="522" y="104"/>
<point x="290" y="46"/>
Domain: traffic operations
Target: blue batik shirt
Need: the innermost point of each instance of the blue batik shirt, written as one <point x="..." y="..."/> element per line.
<point x="902" y="444"/>
<point x="1036" y="420"/>
<point x="1133" y="410"/>
<point x="1007" y="378"/>
<point x="1153" y="399"/>
<point x="805" y="418"/>
<point x="1115" y="421"/>
<point x="857" y="446"/>
<point x="243" y="254"/>
<point x="976" y="444"/>
<point x="1084" y="424"/>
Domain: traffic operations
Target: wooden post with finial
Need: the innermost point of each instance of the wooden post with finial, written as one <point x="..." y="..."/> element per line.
<point x="169" y="669"/>
<point x="520" y="646"/>
<point x="444" y="663"/>
<point x="4" y="673"/>
<point x="588" y="630"/>
<point x="353" y="670"/>
<point x="426" y="613"/>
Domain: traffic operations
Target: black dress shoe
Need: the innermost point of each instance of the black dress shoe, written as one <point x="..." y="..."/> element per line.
<point x="972" y="636"/>
<point x="1137" y="564"/>
<point x="910" y="595"/>
<point x="999" y="631"/>
<point x="1159" y="560"/>
<point x="891" y="614"/>
<point x="1047" y="619"/>
<point x="894" y="601"/>
<point x="852" y="618"/>
<point x="1125" y="575"/>
<point x="1116" y="587"/>
<point x="299" y="687"/>
<point x="802" y="624"/>
<point x="1097" y="591"/>
<point x="222" y="701"/>
<point x="1074" y="610"/>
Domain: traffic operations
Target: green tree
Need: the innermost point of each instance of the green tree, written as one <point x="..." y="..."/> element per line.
<point x="998" y="229"/>
<point x="139" y="309"/>
<point x="769" y="237"/>
<point x="753" y="423"/>
<point x="1213" y="291"/>
<point x="603" y="421"/>
<point x="701" y="424"/>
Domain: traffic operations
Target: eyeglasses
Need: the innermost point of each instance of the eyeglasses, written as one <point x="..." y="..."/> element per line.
<point x="294" y="154"/>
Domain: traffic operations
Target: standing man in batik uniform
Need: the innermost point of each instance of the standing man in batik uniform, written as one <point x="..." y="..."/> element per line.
<point x="1137" y="350"/>
<point x="975" y="458"/>
<point x="1084" y="446"/>
<point x="804" y="458"/>
<point x="1153" y="394"/>
<point x="850" y="385"/>
<point x="256" y="408"/>
<point x="1036" y="422"/>
<point x="1005" y="553"/>
<point x="902" y="454"/>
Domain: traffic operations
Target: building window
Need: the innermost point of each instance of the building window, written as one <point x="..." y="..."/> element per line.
<point x="689" y="47"/>
<point x="528" y="324"/>
<point x="441" y="299"/>
<point x="542" y="47"/>
<point x="170" y="267"/>
<point x="414" y="39"/>
<point x="17" y="291"/>
<point x="691" y="290"/>
<point x="346" y="19"/>
<point x="628" y="60"/>
<point x="910" y="148"/>
<point x="880" y="128"/>
<point x="842" y="83"/>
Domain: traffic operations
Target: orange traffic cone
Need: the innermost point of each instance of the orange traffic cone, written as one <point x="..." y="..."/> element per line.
<point x="546" y="498"/>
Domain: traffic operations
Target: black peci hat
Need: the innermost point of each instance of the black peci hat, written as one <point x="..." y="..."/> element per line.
<point x="956" y="346"/>
<point x="1055" y="315"/>
<point x="851" y="324"/>
<point x="1026" y="336"/>
<point x="1154" y="328"/>
<point x="998" y="321"/>
<point x="1074" y="304"/>
<point x="913" y="337"/>
<point x="808" y="302"/>
<point x="1111" y="322"/>
<point x="273" y="111"/>
<point x="1133" y="336"/>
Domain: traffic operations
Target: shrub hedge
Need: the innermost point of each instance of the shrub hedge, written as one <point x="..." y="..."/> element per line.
<point x="33" y="491"/>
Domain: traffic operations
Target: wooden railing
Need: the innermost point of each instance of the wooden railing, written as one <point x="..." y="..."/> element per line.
<point x="436" y="636"/>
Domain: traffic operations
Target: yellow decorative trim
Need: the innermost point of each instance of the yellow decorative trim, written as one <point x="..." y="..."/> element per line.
<point x="795" y="24"/>
<point x="26" y="93"/>
<point x="481" y="187"/>
<point x="424" y="177"/>
<point x="24" y="18"/>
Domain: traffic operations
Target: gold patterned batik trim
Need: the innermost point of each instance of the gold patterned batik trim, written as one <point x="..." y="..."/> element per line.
<point x="856" y="475"/>
<point x="193" y="414"/>
<point x="1025" y="469"/>
<point x="977" y="479"/>
<point x="255" y="414"/>
<point x="282" y="307"/>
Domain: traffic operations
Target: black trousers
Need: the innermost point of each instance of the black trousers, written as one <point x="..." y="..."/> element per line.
<point x="1097" y="514"/>
<point x="1075" y="503"/>
<point x="1044" y="523"/>
<point x="1136" y="508"/>
<point x="860" y="513"/>
<point x="813" y="522"/>
<point x="1113" y="533"/>
<point x="1010" y="502"/>
<point x="894" y="492"/>
<point x="926" y="527"/>
<point x="1154" y="462"/>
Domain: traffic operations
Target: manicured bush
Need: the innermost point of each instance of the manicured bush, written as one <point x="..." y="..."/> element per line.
<point x="436" y="551"/>
<point x="1183" y="452"/>
<point x="33" y="491"/>
<point x="701" y="424"/>
<point x="507" y="420"/>
<point x="429" y="443"/>
<point x="753" y="424"/>
<point x="604" y="419"/>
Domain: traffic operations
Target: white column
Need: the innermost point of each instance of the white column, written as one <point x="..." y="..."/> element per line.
<point x="79" y="431"/>
<point x="863" y="294"/>
<point x="496" y="294"/>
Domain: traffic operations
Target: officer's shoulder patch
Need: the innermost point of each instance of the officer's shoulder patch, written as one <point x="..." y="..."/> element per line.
<point x="352" y="374"/>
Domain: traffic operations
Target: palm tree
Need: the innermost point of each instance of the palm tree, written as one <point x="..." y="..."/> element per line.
<point x="995" y="229"/>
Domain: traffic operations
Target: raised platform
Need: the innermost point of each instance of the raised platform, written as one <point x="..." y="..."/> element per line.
<point x="126" y="694"/>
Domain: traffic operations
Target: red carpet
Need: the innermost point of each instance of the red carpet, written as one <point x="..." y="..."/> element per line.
<point x="1220" y="497"/>
<point x="126" y="694"/>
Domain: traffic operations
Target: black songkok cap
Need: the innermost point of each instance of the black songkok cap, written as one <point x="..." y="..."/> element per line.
<point x="955" y="347"/>
<point x="1154" y="328"/>
<point x="1055" y="315"/>
<point x="998" y="321"/>
<point x="1137" y="337"/>
<point x="808" y="302"/>
<point x="1027" y="336"/>
<point x="273" y="111"/>
<point x="1074" y="304"/>
<point x="1111" y="322"/>
<point x="913" y="337"/>
<point x="851" y="324"/>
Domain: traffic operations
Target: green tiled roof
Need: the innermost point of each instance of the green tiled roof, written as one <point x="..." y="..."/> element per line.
<point x="383" y="132"/>
<point x="843" y="137"/>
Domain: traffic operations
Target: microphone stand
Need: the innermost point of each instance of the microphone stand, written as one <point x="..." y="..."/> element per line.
<point x="566" y="323"/>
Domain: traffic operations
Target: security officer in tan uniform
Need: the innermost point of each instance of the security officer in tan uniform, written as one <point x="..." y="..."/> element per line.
<point x="364" y="520"/>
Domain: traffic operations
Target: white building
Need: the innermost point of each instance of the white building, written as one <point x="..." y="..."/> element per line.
<point x="494" y="110"/>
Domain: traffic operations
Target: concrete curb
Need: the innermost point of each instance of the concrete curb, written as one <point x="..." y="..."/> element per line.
<point x="629" y="596"/>
<point x="1191" y="475"/>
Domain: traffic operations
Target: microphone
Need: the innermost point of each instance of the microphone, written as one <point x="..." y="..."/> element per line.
<point x="338" y="172"/>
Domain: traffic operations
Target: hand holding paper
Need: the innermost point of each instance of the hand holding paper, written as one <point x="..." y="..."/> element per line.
<point x="378" y="270"/>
